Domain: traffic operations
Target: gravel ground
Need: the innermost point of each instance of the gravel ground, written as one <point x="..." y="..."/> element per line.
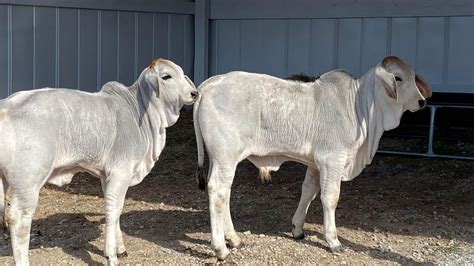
<point x="400" y="210"/>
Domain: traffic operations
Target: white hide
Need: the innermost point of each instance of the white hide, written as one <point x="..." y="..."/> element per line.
<point x="332" y="125"/>
<point x="117" y="134"/>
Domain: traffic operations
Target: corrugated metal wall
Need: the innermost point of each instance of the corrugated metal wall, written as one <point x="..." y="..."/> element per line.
<point x="440" y="48"/>
<point x="84" y="48"/>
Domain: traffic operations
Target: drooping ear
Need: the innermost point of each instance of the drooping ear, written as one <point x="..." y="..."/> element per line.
<point x="387" y="80"/>
<point x="149" y="79"/>
<point x="190" y="82"/>
<point x="423" y="87"/>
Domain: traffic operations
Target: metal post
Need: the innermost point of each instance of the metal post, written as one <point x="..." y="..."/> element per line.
<point x="432" y="126"/>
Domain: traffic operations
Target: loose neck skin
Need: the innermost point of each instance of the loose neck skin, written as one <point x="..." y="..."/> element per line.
<point x="153" y="114"/>
<point x="376" y="112"/>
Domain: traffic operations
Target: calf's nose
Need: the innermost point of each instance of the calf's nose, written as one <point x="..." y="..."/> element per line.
<point x="422" y="103"/>
<point x="194" y="94"/>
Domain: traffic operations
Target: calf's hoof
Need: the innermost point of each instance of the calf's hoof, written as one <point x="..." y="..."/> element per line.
<point x="234" y="242"/>
<point x="300" y="236"/>
<point x="122" y="255"/>
<point x="111" y="262"/>
<point x="337" y="249"/>
<point x="222" y="254"/>
<point x="298" y="233"/>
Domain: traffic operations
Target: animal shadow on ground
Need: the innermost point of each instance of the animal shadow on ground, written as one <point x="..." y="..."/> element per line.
<point x="55" y="231"/>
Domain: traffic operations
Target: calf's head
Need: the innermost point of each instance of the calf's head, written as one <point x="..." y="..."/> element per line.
<point x="401" y="84"/>
<point x="169" y="82"/>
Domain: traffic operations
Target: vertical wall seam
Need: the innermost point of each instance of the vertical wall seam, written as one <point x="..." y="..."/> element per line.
<point x="216" y="47"/>
<point x="9" y="49"/>
<point x="78" y="49"/>
<point x="389" y="36"/>
<point x="417" y="41"/>
<point x="153" y="36"/>
<point x="135" y="54"/>
<point x="336" y="44"/>
<point x="361" y="46"/>
<point x="118" y="47"/>
<point x="446" y="44"/>
<point x="287" y="44"/>
<point x="240" y="44"/>
<point x="99" y="50"/>
<point x="34" y="47"/>
<point x="310" y="51"/>
<point x="169" y="38"/>
<point x="56" y="70"/>
<point x="184" y="42"/>
<point x="262" y="30"/>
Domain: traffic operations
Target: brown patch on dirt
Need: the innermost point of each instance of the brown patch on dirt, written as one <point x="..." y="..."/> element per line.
<point x="399" y="210"/>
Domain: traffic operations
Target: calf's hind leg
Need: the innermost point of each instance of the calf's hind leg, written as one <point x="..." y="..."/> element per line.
<point x="218" y="187"/>
<point x="309" y="191"/>
<point x="229" y="231"/>
<point x="3" y="195"/>
<point x="21" y="211"/>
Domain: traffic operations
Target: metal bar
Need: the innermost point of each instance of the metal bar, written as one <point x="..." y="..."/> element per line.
<point x="427" y="155"/>
<point x="451" y="106"/>
<point x="430" y="138"/>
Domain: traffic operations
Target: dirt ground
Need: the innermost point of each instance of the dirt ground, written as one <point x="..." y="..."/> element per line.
<point x="400" y="210"/>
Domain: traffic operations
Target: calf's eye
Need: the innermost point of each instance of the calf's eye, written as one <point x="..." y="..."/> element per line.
<point x="398" y="78"/>
<point x="166" y="77"/>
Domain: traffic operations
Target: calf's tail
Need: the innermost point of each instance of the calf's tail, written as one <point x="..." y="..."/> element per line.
<point x="200" y="147"/>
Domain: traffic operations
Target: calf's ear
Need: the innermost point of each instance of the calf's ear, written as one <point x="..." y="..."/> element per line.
<point x="423" y="86"/>
<point x="149" y="79"/>
<point x="387" y="81"/>
<point x="190" y="82"/>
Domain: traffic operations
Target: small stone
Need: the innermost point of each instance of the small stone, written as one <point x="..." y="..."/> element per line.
<point x="261" y="235"/>
<point x="247" y="233"/>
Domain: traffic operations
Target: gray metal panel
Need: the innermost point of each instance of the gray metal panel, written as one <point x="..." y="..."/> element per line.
<point x="165" y="6"/>
<point x="4" y="52"/>
<point x="161" y="36"/>
<point x="460" y="68"/>
<point x="251" y="41"/>
<point x="188" y="45"/>
<point x="201" y="40"/>
<point x="284" y="9"/>
<point x="299" y="41"/>
<point x="109" y="46"/>
<point x="22" y="48"/>
<point x="176" y="37"/>
<point x="88" y="50"/>
<point x="430" y="49"/>
<point x="126" y="47"/>
<point x="45" y="47"/>
<point x="228" y="46"/>
<point x="145" y="40"/>
<point x="374" y="42"/>
<point x="213" y="39"/>
<point x="68" y="48"/>
<point x="349" y="45"/>
<point x="275" y="41"/>
<point x="323" y="45"/>
<point x="403" y="39"/>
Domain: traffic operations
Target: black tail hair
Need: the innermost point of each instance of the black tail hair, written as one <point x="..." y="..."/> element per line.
<point x="200" y="178"/>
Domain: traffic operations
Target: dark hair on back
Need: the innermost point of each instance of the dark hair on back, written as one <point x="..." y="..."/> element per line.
<point x="302" y="78"/>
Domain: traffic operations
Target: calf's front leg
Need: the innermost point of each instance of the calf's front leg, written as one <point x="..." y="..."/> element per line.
<point x="330" y="180"/>
<point x="115" y="188"/>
